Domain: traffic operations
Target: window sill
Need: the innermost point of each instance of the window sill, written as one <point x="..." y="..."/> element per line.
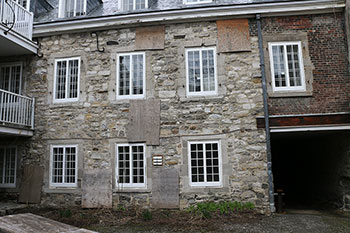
<point x="197" y="98"/>
<point x="131" y="190"/>
<point x="278" y="94"/>
<point x="62" y="190"/>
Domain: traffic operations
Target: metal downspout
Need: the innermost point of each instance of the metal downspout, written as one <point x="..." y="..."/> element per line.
<point x="266" y="116"/>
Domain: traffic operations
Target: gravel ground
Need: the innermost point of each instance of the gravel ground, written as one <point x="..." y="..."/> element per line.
<point x="297" y="222"/>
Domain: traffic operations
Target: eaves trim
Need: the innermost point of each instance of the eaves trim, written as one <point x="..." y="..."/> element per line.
<point x="188" y="15"/>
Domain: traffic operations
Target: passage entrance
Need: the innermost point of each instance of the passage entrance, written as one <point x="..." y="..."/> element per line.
<point x="312" y="168"/>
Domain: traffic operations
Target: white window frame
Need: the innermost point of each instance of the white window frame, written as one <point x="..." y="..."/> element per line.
<point x="198" y="2"/>
<point x="66" y="99"/>
<point x="301" y="63"/>
<point x="64" y="184"/>
<point x="132" y="96"/>
<point x="21" y="76"/>
<point x="133" y="6"/>
<point x="62" y="8"/>
<point x="201" y="93"/>
<point x="131" y="184"/>
<point x="9" y="185"/>
<point x="205" y="183"/>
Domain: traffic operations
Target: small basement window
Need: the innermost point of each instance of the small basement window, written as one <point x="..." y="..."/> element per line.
<point x="71" y="8"/>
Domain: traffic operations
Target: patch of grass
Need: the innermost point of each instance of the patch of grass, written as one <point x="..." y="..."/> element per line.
<point x="65" y="213"/>
<point x="146" y="215"/>
<point x="206" y="209"/>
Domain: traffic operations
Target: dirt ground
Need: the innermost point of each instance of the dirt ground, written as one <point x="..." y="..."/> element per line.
<point x="181" y="221"/>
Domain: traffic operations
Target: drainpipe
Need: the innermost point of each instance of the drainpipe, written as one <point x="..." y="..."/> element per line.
<point x="266" y="116"/>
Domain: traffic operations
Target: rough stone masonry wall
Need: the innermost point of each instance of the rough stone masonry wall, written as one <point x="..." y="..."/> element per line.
<point x="328" y="52"/>
<point x="97" y="121"/>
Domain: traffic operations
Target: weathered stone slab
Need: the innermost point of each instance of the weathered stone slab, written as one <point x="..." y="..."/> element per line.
<point x="233" y="35"/>
<point x="144" y="121"/>
<point x="31" y="223"/>
<point x="150" y="37"/>
<point x="31" y="184"/>
<point x="165" y="188"/>
<point x="97" y="189"/>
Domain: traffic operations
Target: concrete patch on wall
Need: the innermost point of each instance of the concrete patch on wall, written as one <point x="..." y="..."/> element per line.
<point x="97" y="189"/>
<point x="150" y="38"/>
<point x="165" y="188"/>
<point x="144" y="121"/>
<point x="31" y="184"/>
<point x="233" y="35"/>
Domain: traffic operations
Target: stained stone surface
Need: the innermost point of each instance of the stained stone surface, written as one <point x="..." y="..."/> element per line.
<point x="165" y="188"/>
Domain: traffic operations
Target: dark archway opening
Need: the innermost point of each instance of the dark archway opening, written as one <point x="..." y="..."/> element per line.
<point x="310" y="168"/>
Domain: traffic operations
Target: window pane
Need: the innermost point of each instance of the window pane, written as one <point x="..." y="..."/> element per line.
<point x="293" y="65"/>
<point x="197" y="163"/>
<point x="69" y="8"/>
<point x="61" y="79"/>
<point x="70" y="165"/>
<point x="208" y="70"/>
<point x="57" y="165"/>
<point x="10" y="78"/>
<point x="137" y="65"/>
<point x="2" y="161"/>
<point x="80" y="8"/>
<point x="279" y="65"/>
<point x="194" y="81"/>
<point x="124" y="164"/>
<point x="212" y="159"/>
<point x="138" y="160"/>
<point x="124" y="75"/>
<point x="73" y="70"/>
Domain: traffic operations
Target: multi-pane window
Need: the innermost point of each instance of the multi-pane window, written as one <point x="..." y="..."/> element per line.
<point x="131" y="165"/>
<point x="204" y="163"/>
<point x="196" y="1"/>
<point x="10" y="77"/>
<point x="67" y="72"/>
<point x="63" y="166"/>
<point x="287" y="68"/>
<point x="131" y="75"/>
<point x="8" y="161"/>
<point x="201" y="71"/>
<point x="71" y="8"/>
<point x="24" y="3"/>
<point x="130" y="5"/>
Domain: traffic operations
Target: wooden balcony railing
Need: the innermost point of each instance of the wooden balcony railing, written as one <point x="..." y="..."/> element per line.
<point x="16" y="110"/>
<point x="16" y="18"/>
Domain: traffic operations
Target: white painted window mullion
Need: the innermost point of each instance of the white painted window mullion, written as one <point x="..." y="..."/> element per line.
<point x="201" y="69"/>
<point x="205" y="162"/>
<point x="286" y="65"/>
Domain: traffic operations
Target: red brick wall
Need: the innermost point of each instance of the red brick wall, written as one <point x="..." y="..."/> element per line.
<point x="328" y="52"/>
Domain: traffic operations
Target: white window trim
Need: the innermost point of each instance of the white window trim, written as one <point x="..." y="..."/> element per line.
<point x="301" y="62"/>
<point x="120" y="5"/>
<point x="130" y="185"/>
<point x="66" y="99"/>
<point x="21" y="76"/>
<point x="131" y="96"/>
<point x="63" y="184"/>
<point x="12" y="185"/>
<point x="61" y="6"/>
<point x="198" y="2"/>
<point x="204" y="184"/>
<point x="201" y="93"/>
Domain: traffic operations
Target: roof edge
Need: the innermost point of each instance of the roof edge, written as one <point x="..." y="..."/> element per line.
<point x="188" y="15"/>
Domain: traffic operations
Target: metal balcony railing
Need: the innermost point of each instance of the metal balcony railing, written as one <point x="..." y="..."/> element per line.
<point x="16" y="110"/>
<point x="16" y="18"/>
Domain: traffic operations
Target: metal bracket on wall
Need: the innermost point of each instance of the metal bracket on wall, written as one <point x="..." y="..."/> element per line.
<point x="98" y="45"/>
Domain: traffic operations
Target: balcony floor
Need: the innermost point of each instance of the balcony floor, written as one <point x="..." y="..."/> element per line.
<point x="14" y="44"/>
<point x="12" y="131"/>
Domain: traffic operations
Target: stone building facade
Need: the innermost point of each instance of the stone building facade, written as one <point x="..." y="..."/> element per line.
<point x="100" y="133"/>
